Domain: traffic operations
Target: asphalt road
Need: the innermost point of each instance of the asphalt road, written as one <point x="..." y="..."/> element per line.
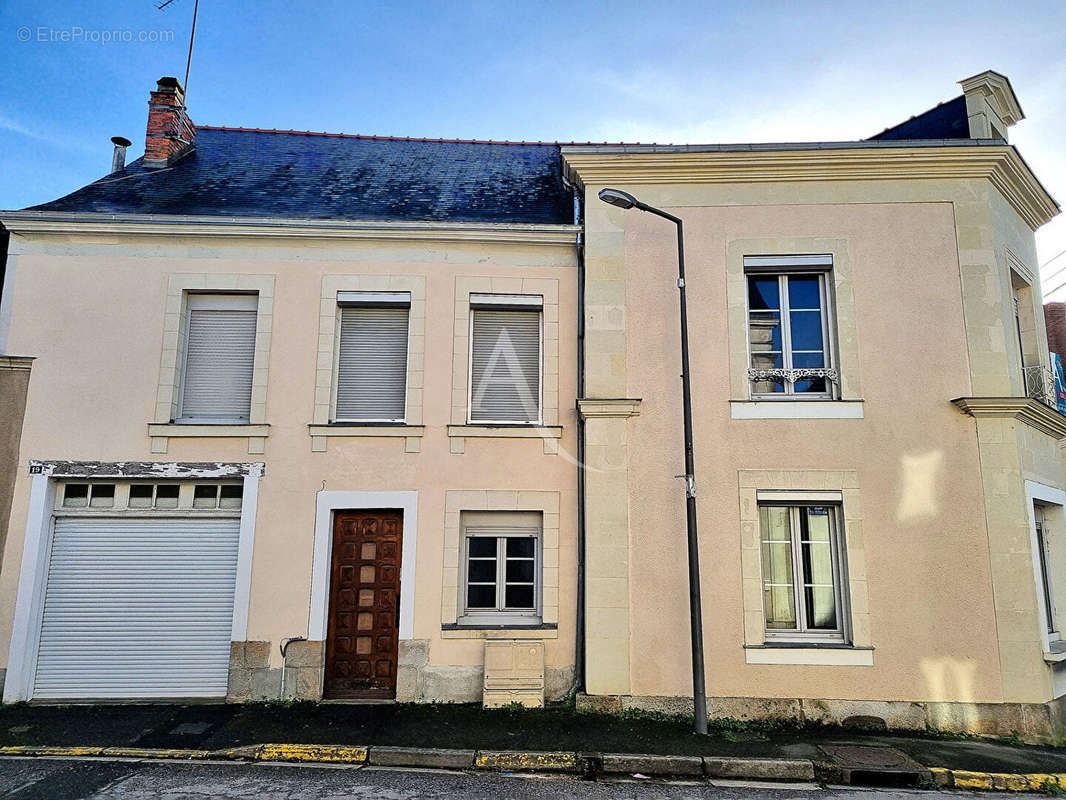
<point x="68" y="779"/>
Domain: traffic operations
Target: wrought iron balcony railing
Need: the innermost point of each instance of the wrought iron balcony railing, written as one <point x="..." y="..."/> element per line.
<point x="1040" y="385"/>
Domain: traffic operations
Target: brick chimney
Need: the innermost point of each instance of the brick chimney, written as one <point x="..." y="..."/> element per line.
<point x="171" y="134"/>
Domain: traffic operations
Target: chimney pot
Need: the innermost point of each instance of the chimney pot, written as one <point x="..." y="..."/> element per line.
<point x="118" y="158"/>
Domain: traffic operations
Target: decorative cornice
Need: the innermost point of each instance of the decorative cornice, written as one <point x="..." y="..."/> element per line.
<point x="16" y="363"/>
<point x="997" y="163"/>
<point x="609" y="407"/>
<point x="50" y="222"/>
<point x="996" y="86"/>
<point x="1032" y="412"/>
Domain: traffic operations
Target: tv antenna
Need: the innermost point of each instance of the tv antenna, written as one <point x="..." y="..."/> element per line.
<point x="192" y="37"/>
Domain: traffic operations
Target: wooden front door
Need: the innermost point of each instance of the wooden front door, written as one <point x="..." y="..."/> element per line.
<point x="364" y="605"/>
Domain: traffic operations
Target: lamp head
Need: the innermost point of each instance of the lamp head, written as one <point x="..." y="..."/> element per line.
<point x="616" y="197"/>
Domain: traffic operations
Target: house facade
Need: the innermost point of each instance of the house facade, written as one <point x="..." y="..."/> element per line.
<point x="339" y="417"/>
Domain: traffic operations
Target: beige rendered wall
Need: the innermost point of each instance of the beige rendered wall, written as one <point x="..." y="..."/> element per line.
<point x="97" y="372"/>
<point x="14" y="381"/>
<point x="920" y="499"/>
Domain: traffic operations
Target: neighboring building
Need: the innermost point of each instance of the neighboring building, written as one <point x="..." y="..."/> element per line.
<point x="318" y="415"/>
<point x="1055" y="325"/>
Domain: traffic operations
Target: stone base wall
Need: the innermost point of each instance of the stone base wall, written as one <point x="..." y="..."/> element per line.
<point x="251" y="677"/>
<point x="422" y="682"/>
<point x="303" y="670"/>
<point x="1039" y="723"/>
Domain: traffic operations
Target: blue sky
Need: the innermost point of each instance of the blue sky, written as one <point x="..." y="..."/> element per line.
<point x="608" y="70"/>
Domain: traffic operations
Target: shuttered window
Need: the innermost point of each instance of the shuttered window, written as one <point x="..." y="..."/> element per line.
<point x="372" y="363"/>
<point x="505" y="365"/>
<point x="219" y="356"/>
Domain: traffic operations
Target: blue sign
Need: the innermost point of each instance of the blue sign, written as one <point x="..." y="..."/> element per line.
<point x="1060" y="382"/>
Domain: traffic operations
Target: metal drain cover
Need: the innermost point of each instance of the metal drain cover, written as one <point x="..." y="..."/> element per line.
<point x="861" y="765"/>
<point x="855" y="755"/>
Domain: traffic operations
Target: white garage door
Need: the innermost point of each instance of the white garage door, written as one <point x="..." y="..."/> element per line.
<point x="138" y="607"/>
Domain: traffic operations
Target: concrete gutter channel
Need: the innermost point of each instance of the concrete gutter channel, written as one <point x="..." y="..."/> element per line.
<point x="585" y="764"/>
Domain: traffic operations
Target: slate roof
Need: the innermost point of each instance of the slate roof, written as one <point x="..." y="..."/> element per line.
<point x="253" y="173"/>
<point x="944" y="121"/>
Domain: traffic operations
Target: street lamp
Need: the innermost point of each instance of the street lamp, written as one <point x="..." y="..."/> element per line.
<point x="616" y="197"/>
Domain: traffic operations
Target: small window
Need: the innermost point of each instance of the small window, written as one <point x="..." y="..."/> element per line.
<point x="166" y="495"/>
<point x="76" y="495"/>
<point x="372" y="357"/>
<point x="801" y="571"/>
<point x="205" y="495"/>
<point x="216" y="384"/>
<point x="89" y="495"/>
<point x="231" y="496"/>
<point x="505" y="359"/>
<point x="141" y="495"/>
<point x="501" y="567"/>
<point x="102" y="495"/>
<point x="788" y="327"/>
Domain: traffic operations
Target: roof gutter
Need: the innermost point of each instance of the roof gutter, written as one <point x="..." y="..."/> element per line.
<point x="23" y="222"/>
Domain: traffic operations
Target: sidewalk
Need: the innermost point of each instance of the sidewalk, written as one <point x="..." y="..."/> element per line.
<point x="551" y="739"/>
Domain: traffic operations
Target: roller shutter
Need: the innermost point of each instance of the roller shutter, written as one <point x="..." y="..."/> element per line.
<point x="505" y="366"/>
<point x="372" y="364"/>
<point x="218" y="364"/>
<point x="138" y="607"/>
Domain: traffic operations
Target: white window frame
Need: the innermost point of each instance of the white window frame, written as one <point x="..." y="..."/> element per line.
<point x="369" y="300"/>
<point x="784" y="267"/>
<point x="501" y="615"/>
<point x="1053" y="501"/>
<point x="1043" y="568"/>
<point x="215" y="301"/>
<point x="802" y="633"/>
<point x="504" y="302"/>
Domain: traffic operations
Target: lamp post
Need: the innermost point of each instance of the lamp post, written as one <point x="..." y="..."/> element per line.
<point x="622" y="199"/>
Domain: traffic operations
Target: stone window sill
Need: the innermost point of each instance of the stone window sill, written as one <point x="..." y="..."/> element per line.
<point x="162" y="432"/>
<point x="548" y="434"/>
<point x="321" y="434"/>
<point x="834" y="654"/>
<point x="1056" y="652"/>
<point x="537" y="630"/>
<point x="796" y="409"/>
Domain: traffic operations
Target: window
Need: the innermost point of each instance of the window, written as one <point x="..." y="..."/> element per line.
<point x="789" y="351"/>
<point x="1045" y="572"/>
<point x="216" y="379"/>
<point x="371" y="384"/>
<point x="88" y="495"/>
<point x="136" y="496"/>
<point x="801" y="571"/>
<point x="501" y="567"/>
<point x="505" y="358"/>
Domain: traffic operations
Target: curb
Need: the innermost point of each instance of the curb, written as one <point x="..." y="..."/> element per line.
<point x="997" y="781"/>
<point x="587" y="764"/>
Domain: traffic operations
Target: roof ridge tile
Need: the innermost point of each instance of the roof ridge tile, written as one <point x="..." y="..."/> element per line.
<point x="381" y="138"/>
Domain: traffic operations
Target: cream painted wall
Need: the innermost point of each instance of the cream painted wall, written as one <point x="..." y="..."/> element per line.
<point x="926" y="552"/>
<point x="92" y="311"/>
